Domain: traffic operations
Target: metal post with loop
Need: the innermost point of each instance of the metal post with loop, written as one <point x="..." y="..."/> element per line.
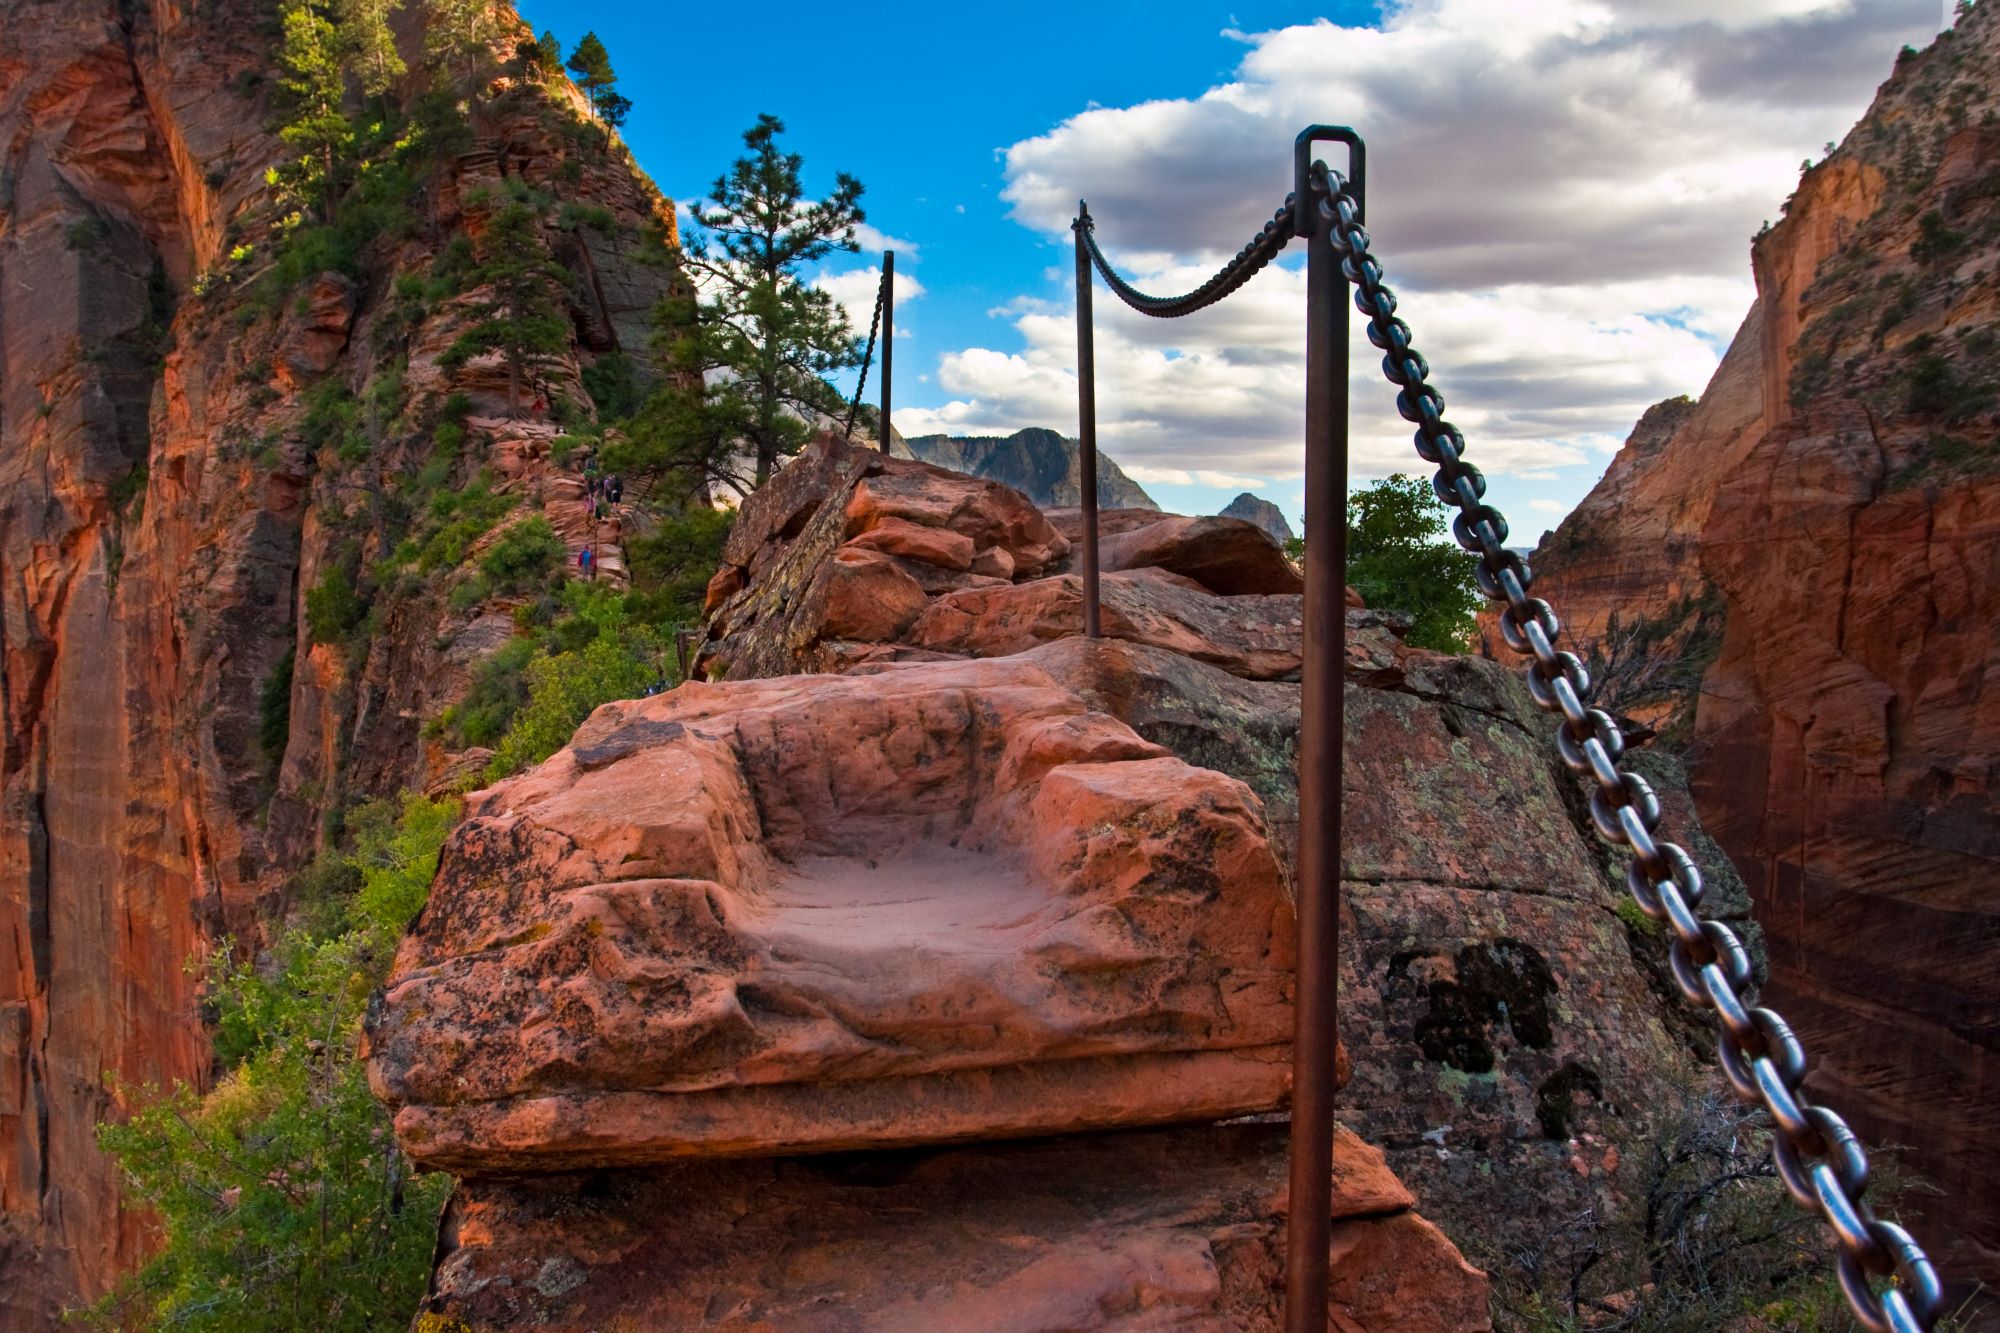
<point x="888" y="338"/>
<point x="1322" y="736"/>
<point x="1086" y="419"/>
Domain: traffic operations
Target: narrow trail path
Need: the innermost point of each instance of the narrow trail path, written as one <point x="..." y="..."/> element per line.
<point x="523" y="454"/>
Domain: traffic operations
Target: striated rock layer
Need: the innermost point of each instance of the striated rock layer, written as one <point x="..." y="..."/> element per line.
<point x="1141" y="1230"/>
<point x="1815" y="550"/>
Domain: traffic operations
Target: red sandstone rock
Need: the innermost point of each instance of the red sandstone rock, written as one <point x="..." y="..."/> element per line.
<point x="1224" y="555"/>
<point x="942" y="902"/>
<point x="315" y="337"/>
<point x="868" y="597"/>
<point x="987" y="513"/>
<point x="1257" y="637"/>
<point x="138" y="817"/>
<point x="1141" y="1230"/>
<point x="932" y="546"/>
<point x="1818" y="535"/>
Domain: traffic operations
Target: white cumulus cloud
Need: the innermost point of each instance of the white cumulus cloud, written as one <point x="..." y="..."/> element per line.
<point x="1562" y="191"/>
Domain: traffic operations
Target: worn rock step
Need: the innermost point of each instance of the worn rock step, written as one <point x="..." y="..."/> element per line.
<point x="943" y="902"/>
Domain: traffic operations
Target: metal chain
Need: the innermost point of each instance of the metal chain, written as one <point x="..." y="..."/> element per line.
<point x="867" y="357"/>
<point x="1249" y="261"/>
<point x="1819" y="1159"/>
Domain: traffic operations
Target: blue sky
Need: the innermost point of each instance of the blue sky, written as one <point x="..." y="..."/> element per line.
<point x="1570" y="188"/>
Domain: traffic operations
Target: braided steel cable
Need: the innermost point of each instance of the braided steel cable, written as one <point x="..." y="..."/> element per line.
<point x="1822" y="1164"/>
<point x="867" y="357"/>
<point x="1249" y="261"/>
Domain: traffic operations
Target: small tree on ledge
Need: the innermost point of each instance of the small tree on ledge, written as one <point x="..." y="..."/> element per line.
<point x="524" y="316"/>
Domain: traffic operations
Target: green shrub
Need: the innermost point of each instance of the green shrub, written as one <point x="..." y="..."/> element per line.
<point x="1936" y="240"/>
<point x="281" y="1198"/>
<point x="524" y="553"/>
<point x="1400" y="557"/>
<point x="612" y="386"/>
<point x="499" y="688"/>
<point x="470" y="594"/>
<point x="617" y="661"/>
<point x="671" y="565"/>
<point x="334" y="609"/>
<point x="274" y="709"/>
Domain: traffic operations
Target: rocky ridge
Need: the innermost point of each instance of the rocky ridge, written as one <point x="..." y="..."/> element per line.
<point x="1498" y="1009"/>
<point x="1807" y="554"/>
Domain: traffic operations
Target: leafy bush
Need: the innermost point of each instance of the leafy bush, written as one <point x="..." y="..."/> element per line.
<point x="499" y="688"/>
<point x="618" y="661"/>
<point x="334" y="609"/>
<point x="612" y="386"/>
<point x="671" y="565"/>
<point x="524" y="553"/>
<point x="281" y="1198"/>
<point x="274" y="710"/>
<point x="1400" y="557"/>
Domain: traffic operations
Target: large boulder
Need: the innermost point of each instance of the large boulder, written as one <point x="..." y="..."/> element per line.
<point x="1175" y="1229"/>
<point x="945" y="901"/>
<point x="847" y="557"/>
<point x="1254" y="637"/>
<point x="1223" y="555"/>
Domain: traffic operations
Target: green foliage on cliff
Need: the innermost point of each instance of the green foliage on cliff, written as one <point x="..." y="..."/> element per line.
<point x="594" y="653"/>
<point x="281" y="1198"/>
<point x="523" y="316"/>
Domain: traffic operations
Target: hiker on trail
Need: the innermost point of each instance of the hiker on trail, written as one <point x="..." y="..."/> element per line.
<point x="614" y="487"/>
<point x="600" y="511"/>
<point x="540" y="405"/>
<point x="587" y="562"/>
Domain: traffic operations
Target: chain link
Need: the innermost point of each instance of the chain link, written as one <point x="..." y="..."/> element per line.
<point x="867" y="358"/>
<point x="1822" y="1164"/>
<point x="1247" y="264"/>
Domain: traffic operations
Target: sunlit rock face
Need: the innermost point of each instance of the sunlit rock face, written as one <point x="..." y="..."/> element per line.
<point x="1803" y="569"/>
<point x="161" y="517"/>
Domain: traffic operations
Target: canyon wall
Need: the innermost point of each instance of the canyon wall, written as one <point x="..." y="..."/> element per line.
<point x="1805" y="571"/>
<point x="165" y="502"/>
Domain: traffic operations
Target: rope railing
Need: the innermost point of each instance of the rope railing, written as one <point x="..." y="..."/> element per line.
<point x="1248" y="262"/>
<point x="1821" y="1163"/>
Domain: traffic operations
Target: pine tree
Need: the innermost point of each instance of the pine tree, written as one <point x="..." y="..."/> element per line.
<point x="593" y="69"/>
<point x="313" y="83"/>
<point x="462" y="31"/>
<point x="370" y="43"/>
<point x="523" y="316"/>
<point x="549" y="47"/>
<point x="744" y="367"/>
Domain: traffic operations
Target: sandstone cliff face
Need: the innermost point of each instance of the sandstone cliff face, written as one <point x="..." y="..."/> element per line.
<point x="1815" y="550"/>
<point x="163" y="508"/>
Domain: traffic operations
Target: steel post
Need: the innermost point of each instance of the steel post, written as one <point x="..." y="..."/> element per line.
<point x="1086" y="424"/>
<point x="888" y="338"/>
<point x="1321" y="737"/>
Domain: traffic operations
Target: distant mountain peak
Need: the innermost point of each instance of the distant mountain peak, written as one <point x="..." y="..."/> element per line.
<point x="1040" y="463"/>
